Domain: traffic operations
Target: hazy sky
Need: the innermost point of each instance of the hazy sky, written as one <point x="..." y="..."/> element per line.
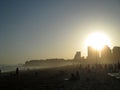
<point x="40" y="29"/>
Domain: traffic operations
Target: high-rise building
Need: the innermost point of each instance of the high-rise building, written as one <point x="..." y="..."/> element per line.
<point x="92" y="53"/>
<point x="116" y="54"/>
<point x="106" y="53"/>
<point x="77" y="56"/>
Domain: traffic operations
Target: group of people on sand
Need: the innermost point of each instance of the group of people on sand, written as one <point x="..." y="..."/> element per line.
<point x="75" y="76"/>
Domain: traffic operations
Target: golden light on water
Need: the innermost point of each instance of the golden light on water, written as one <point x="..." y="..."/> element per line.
<point x="97" y="40"/>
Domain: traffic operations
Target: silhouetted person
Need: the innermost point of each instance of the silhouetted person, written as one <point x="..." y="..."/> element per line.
<point x="17" y="71"/>
<point x="88" y="66"/>
<point x="112" y="67"/>
<point x="115" y="67"/>
<point x="77" y="75"/>
<point x="0" y="71"/>
<point x="72" y="76"/>
<point x="118" y="66"/>
<point x="80" y="66"/>
<point x="36" y="73"/>
<point x="87" y="79"/>
<point x="105" y="66"/>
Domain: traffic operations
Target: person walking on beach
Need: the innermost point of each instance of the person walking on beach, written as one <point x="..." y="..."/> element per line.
<point x="17" y="71"/>
<point x="0" y="71"/>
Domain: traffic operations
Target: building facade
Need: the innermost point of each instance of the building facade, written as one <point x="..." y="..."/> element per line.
<point x="92" y="53"/>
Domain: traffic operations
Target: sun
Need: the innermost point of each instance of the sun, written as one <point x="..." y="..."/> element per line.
<point x="97" y="40"/>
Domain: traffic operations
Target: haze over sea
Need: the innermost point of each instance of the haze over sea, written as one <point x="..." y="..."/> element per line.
<point x="9" y="68"/>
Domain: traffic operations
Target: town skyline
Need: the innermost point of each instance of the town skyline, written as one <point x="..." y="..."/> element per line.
<point x="105" y="51"/>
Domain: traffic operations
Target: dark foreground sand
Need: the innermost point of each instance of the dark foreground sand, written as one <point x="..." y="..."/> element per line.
<point x="62" y="78"/>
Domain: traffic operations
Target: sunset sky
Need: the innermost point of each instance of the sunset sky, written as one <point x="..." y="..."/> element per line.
<point x="40" y="29"/>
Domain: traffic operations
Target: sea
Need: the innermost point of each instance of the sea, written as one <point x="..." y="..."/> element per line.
<point x="9" y="68"/>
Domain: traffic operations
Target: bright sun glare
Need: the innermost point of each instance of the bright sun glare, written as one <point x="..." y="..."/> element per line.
<point x="97" y="40"/>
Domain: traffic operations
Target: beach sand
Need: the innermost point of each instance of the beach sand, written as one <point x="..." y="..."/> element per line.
<point x="59" y="78"/>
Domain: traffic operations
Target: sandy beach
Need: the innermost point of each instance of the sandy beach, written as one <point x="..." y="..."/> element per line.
<point x="60" y="78"/>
